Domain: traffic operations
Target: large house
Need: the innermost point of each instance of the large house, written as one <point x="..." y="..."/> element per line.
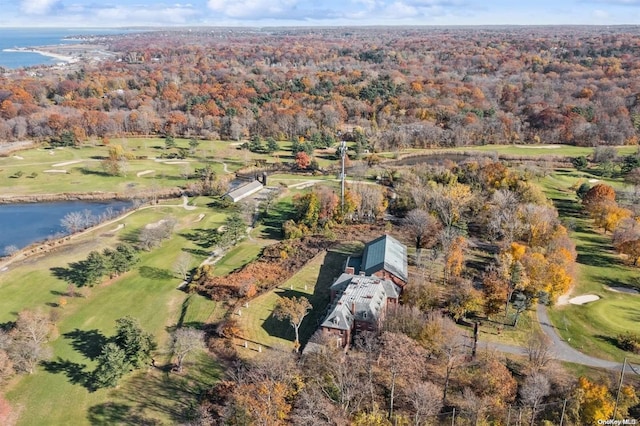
<point x="361" y="295"/>
<point x="359" y="303"/>
<point x="385" y="257"/>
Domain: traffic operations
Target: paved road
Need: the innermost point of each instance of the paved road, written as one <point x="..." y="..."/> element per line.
<point x="561" y="349"/>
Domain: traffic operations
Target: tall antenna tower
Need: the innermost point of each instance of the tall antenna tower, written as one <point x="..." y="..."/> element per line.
<point x="343" y="153"/>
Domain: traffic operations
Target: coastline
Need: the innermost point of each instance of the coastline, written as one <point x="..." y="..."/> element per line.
<point x="57" y="56"/>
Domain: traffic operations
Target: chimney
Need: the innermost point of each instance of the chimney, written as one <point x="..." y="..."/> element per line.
<point x="349" y="270"/>
<point x="353" y="308"/>
<point x="264" y="178"/>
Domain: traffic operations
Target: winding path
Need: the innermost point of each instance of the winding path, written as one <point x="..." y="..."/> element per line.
<point x="561" y="350"/>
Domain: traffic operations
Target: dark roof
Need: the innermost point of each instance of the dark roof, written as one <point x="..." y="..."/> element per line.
<point x="385" y="253"/>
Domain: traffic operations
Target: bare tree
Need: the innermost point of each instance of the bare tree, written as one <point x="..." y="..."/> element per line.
<point x="186" y="340"/>
<point x="476" y="405"/>
<point x="73" y="222"/>
<point x="419" y="224"/>
<point x="425" y="399"/>
<point x="400" y="357"/>
<point x="452" y="351"/>
<point x="503" y="215"/>
<point x="183" y="265"/>
<point x="539" y="352"/>
<point x="534" y="389"/>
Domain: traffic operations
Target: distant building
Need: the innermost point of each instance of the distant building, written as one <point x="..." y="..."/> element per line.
<point x="244" y="191"/>
<point x="385" y="257"/>
<point x="358" y="303"/>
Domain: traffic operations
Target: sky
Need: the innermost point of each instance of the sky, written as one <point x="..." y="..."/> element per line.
<point x="265" y="13"/>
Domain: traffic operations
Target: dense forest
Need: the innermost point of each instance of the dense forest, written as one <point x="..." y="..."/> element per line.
<point x="397" y="87"/>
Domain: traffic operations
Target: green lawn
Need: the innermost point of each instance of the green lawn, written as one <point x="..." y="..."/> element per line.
<point x="592" y="327"/>
<point x="257" y="323"/>
<point x="57" y="393"/>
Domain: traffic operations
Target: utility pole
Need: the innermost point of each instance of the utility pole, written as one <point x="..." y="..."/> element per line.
<point x="615" y="407"/>
<point x="343" y="153"/>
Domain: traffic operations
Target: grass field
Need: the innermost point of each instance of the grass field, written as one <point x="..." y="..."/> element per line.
<point x="257" y="323"/>
<point x="592" y="327"/>
<point x="78" y="169"/>
<point x="58" y="391"/>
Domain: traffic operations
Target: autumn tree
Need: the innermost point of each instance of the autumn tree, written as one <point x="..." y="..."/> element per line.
<point x="495" y="289"/>
<point x="449" y="202"/>
<point x="595" y="401"/>
<point x="597" y="195"/>
<point x="372" y="201"/>
<point x="294" y="310"/>
<point x="303" y="160"/>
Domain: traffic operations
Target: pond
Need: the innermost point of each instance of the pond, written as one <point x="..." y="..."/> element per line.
<point x="24" y="224"/>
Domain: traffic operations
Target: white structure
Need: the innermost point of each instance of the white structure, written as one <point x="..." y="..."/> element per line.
<point x="244" y="191"/>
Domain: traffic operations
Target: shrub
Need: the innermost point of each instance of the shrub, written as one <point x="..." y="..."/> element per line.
<point x="629" y="342"/>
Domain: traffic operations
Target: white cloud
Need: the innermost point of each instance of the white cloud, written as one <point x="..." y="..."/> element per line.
<point x="601" y="14"/>
<point x="254" y="8"/>
<point x="37" y="7"/>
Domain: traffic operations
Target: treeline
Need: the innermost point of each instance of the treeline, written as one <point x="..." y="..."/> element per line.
<point x="396" y="88"/>
<point x="419" y="370"/>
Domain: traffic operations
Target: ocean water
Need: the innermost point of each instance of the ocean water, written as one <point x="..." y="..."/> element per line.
<point x="10" y="38"/>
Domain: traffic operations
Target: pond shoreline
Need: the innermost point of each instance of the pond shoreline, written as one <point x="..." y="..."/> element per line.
<point x="159" y="194"/>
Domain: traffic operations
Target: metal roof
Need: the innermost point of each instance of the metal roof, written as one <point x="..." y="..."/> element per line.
<point x="358" y="297"/>
<point x="385" y="253"/>
<point x="245" y="190"/>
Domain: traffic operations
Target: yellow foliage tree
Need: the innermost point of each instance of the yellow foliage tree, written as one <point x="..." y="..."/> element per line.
<point x="595" y="401"/>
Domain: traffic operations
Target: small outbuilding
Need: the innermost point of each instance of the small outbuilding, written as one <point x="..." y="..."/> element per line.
<point x="244" y="191"/>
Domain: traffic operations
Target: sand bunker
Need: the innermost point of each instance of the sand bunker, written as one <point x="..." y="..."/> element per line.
<point x="117" y="228"/>
<point x="200" y="217"/>
<point x="594" y="180"/>
<point x="17" y="157"/>
<point x="539" y="146"/>
<point x="66" y="163"/>
<point x="581" y="300"/>
<point x="176" y="162"/>
<point x="54" y="171"/>
<point x="146" y="172"/>
<point x="623" y="290"/>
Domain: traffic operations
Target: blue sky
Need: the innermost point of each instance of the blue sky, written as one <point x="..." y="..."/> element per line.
<point x="117" y="13"/>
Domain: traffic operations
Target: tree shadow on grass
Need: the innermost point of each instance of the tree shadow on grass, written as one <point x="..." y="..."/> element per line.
<point x="73" y="274"/>
<point x="170" y="393"/>
<point x="75" y="372"/>
<point x="112" y="413"/>
<point x="282" y="328"/>
<point x="273" y="220"/>
<point x="611" y="340"/>
<point x="88" y="342"/>
<point x="155" y="273"/>
<point x="204" y="238"/>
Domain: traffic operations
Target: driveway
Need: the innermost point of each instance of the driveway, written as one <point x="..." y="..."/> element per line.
<point x="561" y="349"/>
